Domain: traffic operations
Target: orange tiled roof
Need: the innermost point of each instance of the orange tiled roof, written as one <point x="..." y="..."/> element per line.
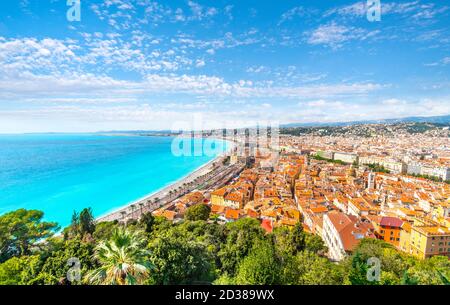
<point x="235" y="196"/>
<point x="217" y="209"/>
<point x="252" y="213"/>
<point x="266" y="224"/>
<point x="220" y="192"/>
<point x="319" y="209"/>
<point x="232" y="214"/>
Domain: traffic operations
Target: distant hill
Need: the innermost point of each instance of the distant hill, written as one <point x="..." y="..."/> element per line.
<point x="444" y="119"/>
<point x="391" y="128"/>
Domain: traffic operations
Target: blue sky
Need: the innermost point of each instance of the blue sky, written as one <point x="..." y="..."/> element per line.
<point x="141" y="64"/>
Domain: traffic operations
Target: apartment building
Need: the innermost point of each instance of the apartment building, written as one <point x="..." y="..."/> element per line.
<point x="346" y="157"/>
<point x="429" y="239"/>
<point x="342" y="233"/>
<point x="395" y="167"/>
<point x="387" y="228"/>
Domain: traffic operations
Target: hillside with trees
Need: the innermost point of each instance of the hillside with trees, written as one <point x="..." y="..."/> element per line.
<point x="154" y="251"/>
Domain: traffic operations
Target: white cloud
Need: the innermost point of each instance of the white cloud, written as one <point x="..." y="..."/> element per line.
<point x="393" y="101"/>
<point x="27" y="84"/>
<point x="414" y="9"/>
<point x="200" y="63"/>
<point x="297" y="11"/>
<point x="443" y="62"/>
<point x="357" y="9"/>
<point x="335" y="35"/>
<point x="318" y="103"/>
<point x="145" y="116"/>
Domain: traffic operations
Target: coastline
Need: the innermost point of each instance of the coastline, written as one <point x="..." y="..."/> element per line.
<point x="117" y="213"/>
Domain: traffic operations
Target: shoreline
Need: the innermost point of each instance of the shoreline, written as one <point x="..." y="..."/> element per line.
<point x="204" y="169"/>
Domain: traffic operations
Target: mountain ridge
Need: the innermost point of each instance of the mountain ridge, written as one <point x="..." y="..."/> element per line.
<point x="443" y="119"/>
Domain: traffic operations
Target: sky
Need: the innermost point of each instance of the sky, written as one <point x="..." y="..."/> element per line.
<point x="154" y="65"/>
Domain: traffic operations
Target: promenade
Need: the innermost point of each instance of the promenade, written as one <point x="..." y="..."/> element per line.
<point x="210" y="176"/>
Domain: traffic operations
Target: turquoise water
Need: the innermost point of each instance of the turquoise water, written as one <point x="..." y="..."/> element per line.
<point x="58" y="173"/>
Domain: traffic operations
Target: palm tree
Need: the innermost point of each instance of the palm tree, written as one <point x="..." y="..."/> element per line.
<point x="123" y="260"/>
<point x="132" y="210"/>
<point x="123" y="214"/>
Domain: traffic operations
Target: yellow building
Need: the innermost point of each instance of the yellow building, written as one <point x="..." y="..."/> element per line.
<point x="218" y="196"/>
<point x="441" y="210"/>
<point x="429" y="239"/>
<point x="405" y="238"/>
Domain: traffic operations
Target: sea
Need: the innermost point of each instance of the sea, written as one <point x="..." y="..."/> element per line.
<point x="62" y="173"/>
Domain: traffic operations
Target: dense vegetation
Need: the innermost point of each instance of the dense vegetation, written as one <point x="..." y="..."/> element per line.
<point x="378" y="168"/>
<point x="432" y="178"/>
<point x="320" y="158"/>
<point x="156" y="251"/>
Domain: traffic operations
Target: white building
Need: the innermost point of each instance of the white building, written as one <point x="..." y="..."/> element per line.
<point x="371" y="181"/>
<point x="441" y="172"/>
<point x="393" y="166"/>
<point x="342" y="233"/>
<point x="346" y="157"/>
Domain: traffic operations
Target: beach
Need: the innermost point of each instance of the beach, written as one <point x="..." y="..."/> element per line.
<point x="164" y="196"/>
<point x="62" y="173"/>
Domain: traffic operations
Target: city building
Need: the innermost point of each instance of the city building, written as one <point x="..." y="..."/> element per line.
<point x="387" y="228"/>
<point x="342" y="233"/>
<point x="429" y="239"/>
<point x="346" y="157"/>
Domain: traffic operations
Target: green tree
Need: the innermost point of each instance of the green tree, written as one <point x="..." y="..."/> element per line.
<point x="81" y="224"/>
<point x="298" y="238"/>
<point x="308" y="268"/>
<point x="123" y="260"/>
<point x="392" y="263"/>
<point x="181" y="256"/>
<point x="241" y="235"/>
<point x="19" y="270"/>
<point x="56" y="265"/>
<point x="431" y="271"/>
<point x="104" y="230"/>
<point x="10" y="271"/>
<point x="315" y="244"/>
<point x="87" y="221"/>
<point x="260" y="267"/>
<point x="198" y="212"/>
<point x="160" y="224"/>
<point x="21" y="230"/>
<point x="147" y="220"/>
<point x="75" y="224"/>
<point x="290" y="241"/>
